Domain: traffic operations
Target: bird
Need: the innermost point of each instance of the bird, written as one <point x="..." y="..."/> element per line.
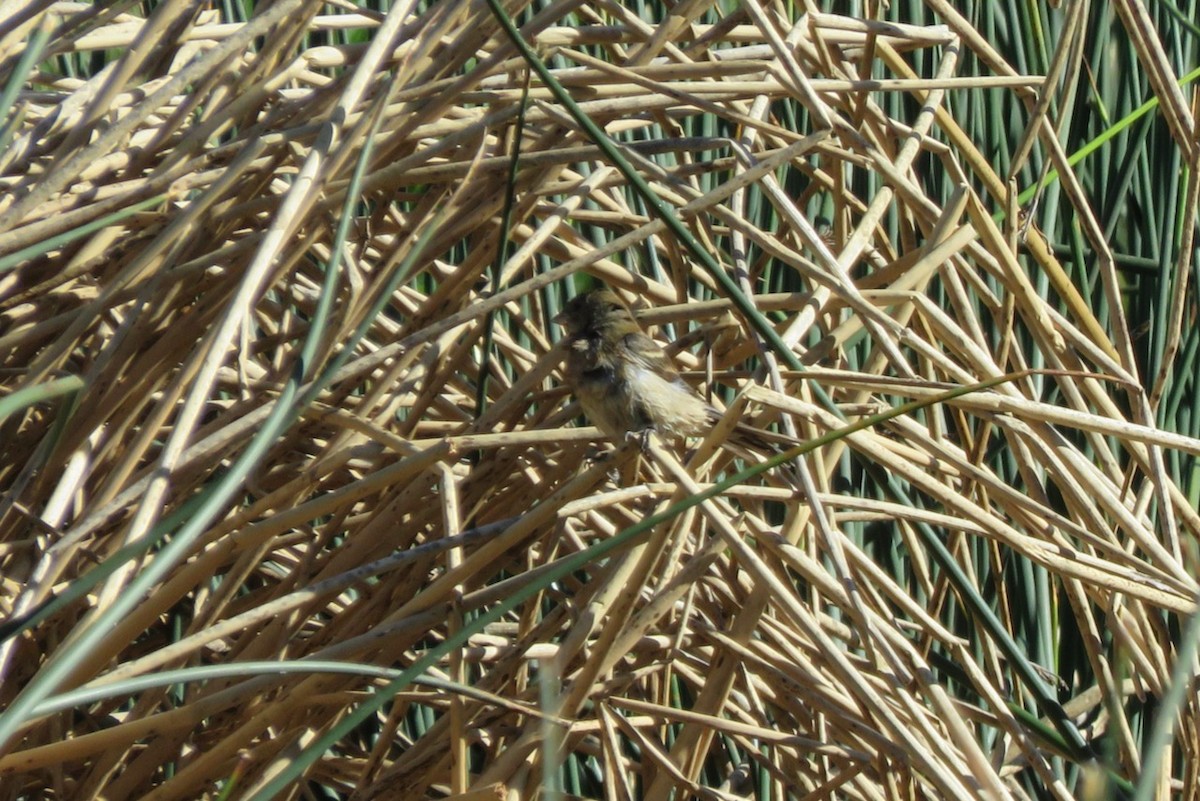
<point x="626" y="383"/>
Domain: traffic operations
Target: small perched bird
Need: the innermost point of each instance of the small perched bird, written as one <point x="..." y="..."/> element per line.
<point x="626" y="383"/>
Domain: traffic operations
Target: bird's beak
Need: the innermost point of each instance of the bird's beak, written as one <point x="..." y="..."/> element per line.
<point x="560" y="318"/>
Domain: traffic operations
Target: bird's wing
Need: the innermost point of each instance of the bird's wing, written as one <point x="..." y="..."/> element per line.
<point x="648" y="354"/>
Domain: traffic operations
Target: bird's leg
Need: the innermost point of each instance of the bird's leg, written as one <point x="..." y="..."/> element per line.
<point x="642" y="436"/>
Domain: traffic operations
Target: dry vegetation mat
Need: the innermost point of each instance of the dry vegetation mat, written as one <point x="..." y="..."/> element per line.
<point x="296" y="504"/>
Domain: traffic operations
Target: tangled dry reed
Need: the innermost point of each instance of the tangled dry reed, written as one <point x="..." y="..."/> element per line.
<point x="167" y="229"/>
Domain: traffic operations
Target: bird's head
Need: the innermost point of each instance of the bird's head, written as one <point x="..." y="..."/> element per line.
<point x="592" y="311"/>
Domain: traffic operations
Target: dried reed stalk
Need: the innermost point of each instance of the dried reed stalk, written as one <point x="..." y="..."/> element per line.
<point x="756" y="633"/>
